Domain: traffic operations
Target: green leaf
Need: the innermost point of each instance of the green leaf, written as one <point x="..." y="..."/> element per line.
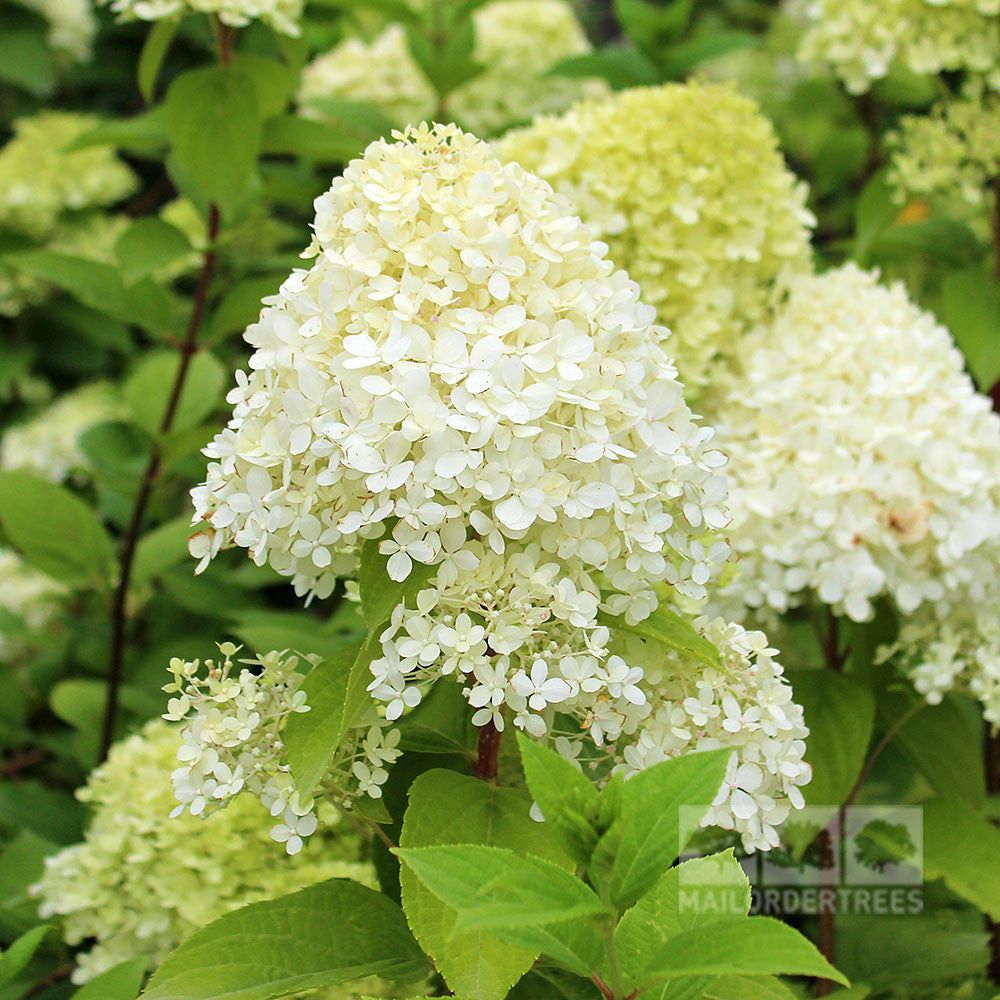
<point x="653" y="25"/>
<point x="681" y="59"/>
<point x="961" y="846"/>
<point x="651" y="830"/>
<point x="575" y="944"/>
<point x="145" y="133"/>
<point x="943" y="742"/>
<point x="161" y="549"/>
<point x="326" y="934"/>
<point x="274" y="81"/>
<point x="742" y="946"/>
<point x="447" y="65"/>
<point x="621" y="66"/>
<point x="214" y="125"/>
<point x="26" y="60"/>
<point x="493" y="888"/>
<point x="970" y="307"/>
<point x="380" y="594"/>
<point x="55" y="530"/>
<point x="441" y="723"/>
<point x="121" y="982"/>
<point x="946" y="241"/>
<point x="101" y="287"/>
<point x="747" y="988"/>
<point x="334" y="689"/>
<point x="676" y="633"/>
<point x="117" y="453"/>
<point x="450" y="808"/>
<point x="567" y="799"/>
<point x="30" y="805"/>
<point x="22" y="862"/>
<point x="316" y="141"/>
<point x="147" y="245"/>
<point x="154" y="50"/>
<point x="20" y="953"/>
<point x="684" y="897"/>
<point x="840" y="714"/>
<point x="355" y="123"/>
<point x="147" y="389"/>
<point x="874" y="211"/>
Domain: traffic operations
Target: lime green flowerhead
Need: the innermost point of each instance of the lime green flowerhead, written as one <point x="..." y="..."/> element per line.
<point x="141" y="881"/>
<point x="686" y="185"/>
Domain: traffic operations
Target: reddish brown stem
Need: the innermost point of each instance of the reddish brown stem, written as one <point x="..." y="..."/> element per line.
<point x="827" y="913"/>
<point x="488" y="752"/>
<point x="603" y="987"/>
<point x="991" y="759"/>
<point x="119" y="603"/>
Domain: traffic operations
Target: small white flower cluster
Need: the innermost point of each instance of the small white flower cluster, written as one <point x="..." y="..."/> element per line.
<point x="282" y="15"/>
<point x="72" y="26"/>
<point x="460" y="359"/>
<point x="862" y="41"/>
<point x="862" y="460"/>
<point x="517" y="42"/>
<point x="520" y="632"/>
<point x="745" y="703"/>
<point x="233" y="740"/>
<point x="47" y="444"/>
<point x="28" y="595"/>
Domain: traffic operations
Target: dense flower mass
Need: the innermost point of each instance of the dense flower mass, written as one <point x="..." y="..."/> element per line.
<point x="862" y="41"/>
<point x="862" y="460"/>
<point x="48" y="444"/>
<point x="72" y="26"/>
<point x="952" y="153"/>
<point x="139" y="882"/>
<point x="517" y="42"/>
<point x="29" y="602"/>
<point x="40" y="180"/>
<point x="282" y="15"/>
<point x="744" y="703"/>
<point x="460" y="362"/>
<point x="687" y="186"/>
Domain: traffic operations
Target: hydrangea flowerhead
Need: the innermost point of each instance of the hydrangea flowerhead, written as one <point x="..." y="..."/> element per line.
<point x="282" y="15"/>
<point x="687" y="186"/>
<point x="72" y="26"/>
<point x="48" y="443"/>
<point x="29" y="596"/>
<point x="517" y="42"/>
<point x="140" y="882"/>
<point x="461" y="361"/>
<point x="862" y="460"/>
<point x="862" y="41"/>
<point x="40" y="180"/>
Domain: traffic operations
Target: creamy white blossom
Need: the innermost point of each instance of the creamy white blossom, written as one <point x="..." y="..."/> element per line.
<point x="48" y="443"/>
<point x="233" y="741"/>
<point x="282" y="15"/>
<point x="72" y="26"/>
<point x="461" y="362"/>
<point x="516" y="43"/>
<point x="744" y="703"/>
<point x="862" y="460"/>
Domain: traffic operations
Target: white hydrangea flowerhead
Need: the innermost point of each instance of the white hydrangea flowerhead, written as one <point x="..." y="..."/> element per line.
<point x="862" y="41"/>
<point x="744" y="703"/>
<point x="517" y="42"/>
<point x="72" y="26"/>
<point x="283" y="15"/>
<point x="686" y="184"/>
<point x="139" y="883"/>
<point x="461" y="368"/>
<point x="48" y="443"/>
<point x="40" y="180"/>
<point x="232" y="742"/>
<point x="29" y="596"/>
<point x="862" y="460"/>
